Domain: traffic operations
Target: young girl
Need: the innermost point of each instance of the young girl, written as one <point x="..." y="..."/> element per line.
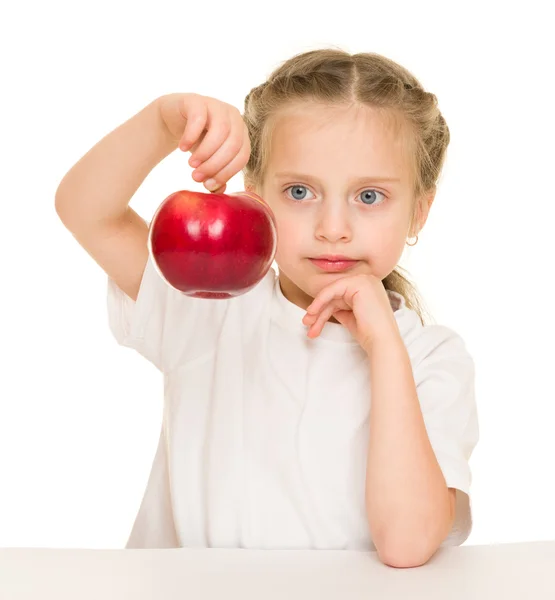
<point x="318" y="410"/>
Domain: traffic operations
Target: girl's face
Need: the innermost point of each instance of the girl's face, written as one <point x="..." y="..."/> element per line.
<point x="338" y="183"/>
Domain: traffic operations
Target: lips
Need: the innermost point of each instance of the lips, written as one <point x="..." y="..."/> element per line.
<point x="333" y="264"/>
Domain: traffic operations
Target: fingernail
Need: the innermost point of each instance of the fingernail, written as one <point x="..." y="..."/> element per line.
<point x="194" y="163"/>
<point x="211" y="184"/>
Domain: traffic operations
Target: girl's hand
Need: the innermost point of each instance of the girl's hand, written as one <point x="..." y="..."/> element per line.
<point x="360" y="303"/>
<point x="213" y="131"/>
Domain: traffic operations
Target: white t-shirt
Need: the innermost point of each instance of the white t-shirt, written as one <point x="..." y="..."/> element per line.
<point x="265" y="431"/>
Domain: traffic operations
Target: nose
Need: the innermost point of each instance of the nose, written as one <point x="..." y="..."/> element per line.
<point x="333" y="224"/>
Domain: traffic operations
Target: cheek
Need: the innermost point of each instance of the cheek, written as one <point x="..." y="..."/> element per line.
<point x="292" y="230"/>
<point x="393" y="243"/>
<point x="381" y="243"/>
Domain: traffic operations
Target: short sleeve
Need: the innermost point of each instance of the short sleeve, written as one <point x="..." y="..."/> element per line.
<point x="163" y="324"/>
<point x="445" y="383"/>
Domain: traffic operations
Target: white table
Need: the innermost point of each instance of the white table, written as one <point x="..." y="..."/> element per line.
<point x="504" y="572"/>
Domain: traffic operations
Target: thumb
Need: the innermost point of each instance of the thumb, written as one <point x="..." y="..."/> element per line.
<point x="220" y="190"/>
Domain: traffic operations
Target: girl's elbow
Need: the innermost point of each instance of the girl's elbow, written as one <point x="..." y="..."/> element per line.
<point x="408" y="546"/>
<point x="403" y="558"/>
<point x="404" y="554"/>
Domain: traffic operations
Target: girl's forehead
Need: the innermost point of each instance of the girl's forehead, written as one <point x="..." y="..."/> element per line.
<point x="332" y="136"/>
<point x="315" y="116"/>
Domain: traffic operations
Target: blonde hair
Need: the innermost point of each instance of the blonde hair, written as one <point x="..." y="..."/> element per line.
<point x="333" y="76"/>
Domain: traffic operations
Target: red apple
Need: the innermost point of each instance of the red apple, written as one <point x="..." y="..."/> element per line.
<point x="212" y="245"/>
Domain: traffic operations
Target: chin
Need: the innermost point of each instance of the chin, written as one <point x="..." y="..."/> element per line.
<point x="312" y="283"/>
<point x="308" y="279"/>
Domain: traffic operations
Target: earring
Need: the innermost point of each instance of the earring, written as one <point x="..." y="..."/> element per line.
<point x="415" y="242"/>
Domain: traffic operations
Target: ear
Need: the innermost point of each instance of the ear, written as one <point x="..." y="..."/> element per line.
<point x="424" y="204"/>
<point x="249" y="186"/>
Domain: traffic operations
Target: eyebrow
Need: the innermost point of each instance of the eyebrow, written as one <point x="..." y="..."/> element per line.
<point x="355" y="180"/>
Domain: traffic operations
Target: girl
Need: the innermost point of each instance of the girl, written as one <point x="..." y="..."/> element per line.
<point x="318" y="410"/>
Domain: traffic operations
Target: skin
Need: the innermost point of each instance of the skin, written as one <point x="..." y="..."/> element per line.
<point x="336" y="205"/>
<point x="332" y="213"/>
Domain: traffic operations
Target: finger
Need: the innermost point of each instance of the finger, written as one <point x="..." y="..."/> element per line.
<point x="223" y="155"/>
<point x="325" y="295"/>
<point x="234" y="166"/>
<point x="316" y="328"/>
<point x="196" y="118"/>
<point x="309" y="319"/>
<point x="335" y="291"/>
<point x="218" y="128"/>
<point x="220" y="190"/>
<point x="197" y="143"/>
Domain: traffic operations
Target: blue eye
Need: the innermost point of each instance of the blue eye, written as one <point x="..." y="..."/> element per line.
<point x="368" y="196"/>
<point x="297" y="192"/>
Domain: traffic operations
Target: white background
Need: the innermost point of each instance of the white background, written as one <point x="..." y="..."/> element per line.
<point x="80" y="416"/>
